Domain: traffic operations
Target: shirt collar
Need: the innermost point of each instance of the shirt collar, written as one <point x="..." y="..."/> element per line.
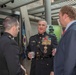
<point x="42" y="34"/>
<point x="70" y="24"/>
<point x="9" y="35"/>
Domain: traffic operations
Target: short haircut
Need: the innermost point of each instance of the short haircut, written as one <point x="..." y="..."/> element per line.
<point x="9" y="22"/>
<point x="42" y="20"/>
<point x="69" y="10"/>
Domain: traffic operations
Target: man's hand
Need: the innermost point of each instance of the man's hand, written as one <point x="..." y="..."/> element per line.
<point x="23" y="69"/>
<point x="31" y="55"/>
<point x="52" y="73"/>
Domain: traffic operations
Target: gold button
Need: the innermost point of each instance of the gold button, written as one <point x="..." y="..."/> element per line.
<point x="40" y="37"/>
<point x="37" y="45"/>
<point x="37" y="52"/>
<point x="39" y="42"/>
<point x="42" y="58"/>
<point x="47" y="64"/>
<point x="42" y="34"/>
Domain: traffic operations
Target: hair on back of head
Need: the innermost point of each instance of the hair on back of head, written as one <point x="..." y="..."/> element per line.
<point x="9" y="22"/>
<point x="69" y="10"/>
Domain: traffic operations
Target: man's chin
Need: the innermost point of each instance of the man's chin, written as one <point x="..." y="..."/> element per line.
<point x="41" y="32"/>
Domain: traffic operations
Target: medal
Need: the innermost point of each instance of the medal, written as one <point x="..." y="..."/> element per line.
<point x="45" y="42"/>
<point x="45" y="49"/>
<point x="37" y="54"/>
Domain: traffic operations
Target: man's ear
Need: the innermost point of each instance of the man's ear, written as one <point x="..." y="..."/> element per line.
<point x="13" y="28"/>
<point x="65" y="16"/>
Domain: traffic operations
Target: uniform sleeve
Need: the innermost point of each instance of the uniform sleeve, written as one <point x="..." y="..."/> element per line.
<point x="28" y="49"/>
<point x="11" y="53"/>
<point x="55" y="43"/>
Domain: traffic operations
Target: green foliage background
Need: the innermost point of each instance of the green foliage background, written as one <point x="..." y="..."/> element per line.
<point x="55" y="30"/>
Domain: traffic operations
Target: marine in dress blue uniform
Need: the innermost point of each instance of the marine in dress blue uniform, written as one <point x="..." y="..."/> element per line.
<point x="9" y="50"/>
<point x="42" y="45"/>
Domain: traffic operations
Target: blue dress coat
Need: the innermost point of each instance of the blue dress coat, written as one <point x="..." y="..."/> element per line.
<point x="42" y="63"/>
<point x="9" y="56"/>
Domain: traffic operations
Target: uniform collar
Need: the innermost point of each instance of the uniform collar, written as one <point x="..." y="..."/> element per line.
<point x="42" y="34"/>
<point x="9" y="35"/>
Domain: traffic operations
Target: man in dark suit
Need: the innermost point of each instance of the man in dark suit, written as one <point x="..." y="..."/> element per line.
<point x="40" y="51"/>
<point x="65" y="58"/>
<point x="9" y="50"/>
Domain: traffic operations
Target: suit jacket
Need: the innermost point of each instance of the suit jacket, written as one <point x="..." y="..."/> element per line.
<point x="65" y="58"/>
<point x="43" y="58"/>
<point x="9" y="56"/>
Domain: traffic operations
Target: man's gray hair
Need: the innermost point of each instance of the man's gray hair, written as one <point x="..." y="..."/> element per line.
<point x="43" y="20"/>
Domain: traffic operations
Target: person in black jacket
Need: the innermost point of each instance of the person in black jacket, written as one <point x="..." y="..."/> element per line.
<point x="9" y="50"/>
<point x="40" y="49"/>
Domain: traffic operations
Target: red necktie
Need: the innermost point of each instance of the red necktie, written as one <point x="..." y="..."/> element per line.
<point x="64" y="32"/>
